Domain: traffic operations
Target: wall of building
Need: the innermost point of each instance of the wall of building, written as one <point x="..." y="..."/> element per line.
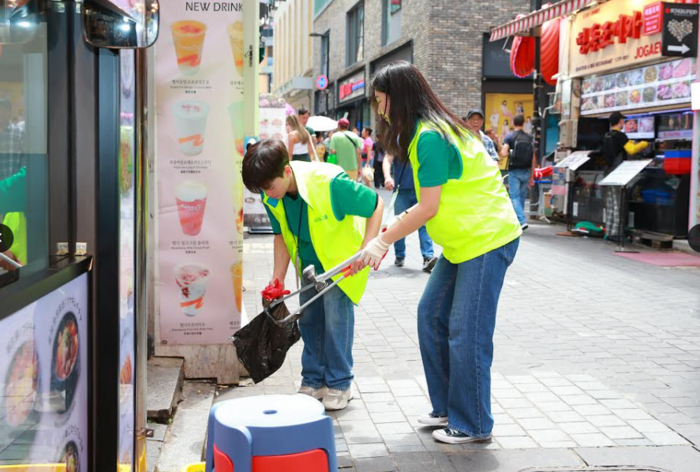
<point x="446" y="36"/>
<point x="293" y="45"/>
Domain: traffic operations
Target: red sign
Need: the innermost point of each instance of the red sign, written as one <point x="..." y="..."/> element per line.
<point x="322" y="82"/>
<point x="599" y="36"/>
<point x="653" y="20"/>
<point x="349" y="88"/>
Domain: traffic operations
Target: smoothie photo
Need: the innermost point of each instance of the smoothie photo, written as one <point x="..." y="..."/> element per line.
<point x="235" y="114"/>
<point x="192" y="280"/>
<point x="235" y="35"/>
<point x="190" y="125"/>
<point x="191" y="198"/>
<point x="188" y="38"/>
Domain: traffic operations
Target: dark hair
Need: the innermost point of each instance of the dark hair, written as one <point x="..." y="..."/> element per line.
<point x="411" y="99"/>
<point x="5" y="103"/>
<point x="302" y="111"/>
<point x="615" y="118"/>
<point x="518" y="120"/>
<point x="264" y="162"/>
<point x="368" y="129"/>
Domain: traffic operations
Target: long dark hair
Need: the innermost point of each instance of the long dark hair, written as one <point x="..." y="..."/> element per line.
<point x="412" y="99"/>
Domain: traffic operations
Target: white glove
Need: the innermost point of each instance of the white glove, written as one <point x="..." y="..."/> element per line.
<point x="374" y="252"/>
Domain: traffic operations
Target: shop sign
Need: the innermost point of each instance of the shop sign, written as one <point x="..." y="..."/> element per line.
<point x="352" y="88"/>
<point x="613" y="35"/>
<point x="680" y="33"/>
<point x="652" y="86"/>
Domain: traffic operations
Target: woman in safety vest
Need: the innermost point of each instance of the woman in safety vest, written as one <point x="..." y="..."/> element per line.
<point x="320" y="217"/>
<point x="467" y="211"/>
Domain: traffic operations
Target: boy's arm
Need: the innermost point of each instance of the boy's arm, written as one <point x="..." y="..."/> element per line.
<point x="281" y="259"/>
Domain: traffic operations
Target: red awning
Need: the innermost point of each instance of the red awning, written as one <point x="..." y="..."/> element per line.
<point x="537" y="18"/>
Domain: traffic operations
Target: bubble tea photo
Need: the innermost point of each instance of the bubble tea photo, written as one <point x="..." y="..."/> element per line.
<point x="192" y="281"/>
<point x="191" y="198"/>
<point x="188" y="39"/>
<point x="190" y="125"/>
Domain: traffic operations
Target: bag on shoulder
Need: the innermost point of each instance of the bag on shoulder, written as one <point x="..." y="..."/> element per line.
<point x="523" y="150"/>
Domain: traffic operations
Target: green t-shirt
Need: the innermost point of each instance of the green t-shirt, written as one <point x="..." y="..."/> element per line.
<point x="13" y="193"/>
<point x="348" y="198"/>
<point x="346" y="149"/>
<point x="438" y="160"/>
<point x="310" y="130"/>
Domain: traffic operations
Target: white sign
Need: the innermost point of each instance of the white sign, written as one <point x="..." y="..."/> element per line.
<point x="575" y="160"/>
<point x="610" y="36"/>
<point x="624" y="173"/>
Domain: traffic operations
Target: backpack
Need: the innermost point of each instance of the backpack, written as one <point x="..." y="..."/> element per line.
<point x="523" y="149"/>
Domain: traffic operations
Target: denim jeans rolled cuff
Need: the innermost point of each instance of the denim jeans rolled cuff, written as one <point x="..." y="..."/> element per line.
<point x="327" y="329"/>
<point x="465" y="430"/>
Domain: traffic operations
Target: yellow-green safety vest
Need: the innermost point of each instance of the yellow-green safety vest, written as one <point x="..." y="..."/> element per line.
<point x="476" y="214"/>
<point x="334" y="241"/>
<point x="17" y="222"/>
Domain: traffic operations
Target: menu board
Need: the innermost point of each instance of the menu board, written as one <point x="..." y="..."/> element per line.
<point x="44" y="380"/>
<point x="641" y="127"/>
<point x="647" y="87"/>
<point x="199" y="134"/>
<point x="127" y="238"/>
<point x="676" y="126"/>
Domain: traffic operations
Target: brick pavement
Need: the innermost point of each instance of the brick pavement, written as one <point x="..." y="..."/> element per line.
<point x="592" y="351"/>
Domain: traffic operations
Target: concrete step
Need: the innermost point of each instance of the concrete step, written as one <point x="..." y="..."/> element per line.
<point x="165" y="378"/>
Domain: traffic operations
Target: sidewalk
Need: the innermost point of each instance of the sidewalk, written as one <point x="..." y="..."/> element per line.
<point x="597" y="362"/>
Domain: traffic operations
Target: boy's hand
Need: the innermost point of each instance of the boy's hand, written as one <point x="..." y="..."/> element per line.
<point x="274" y="291"/>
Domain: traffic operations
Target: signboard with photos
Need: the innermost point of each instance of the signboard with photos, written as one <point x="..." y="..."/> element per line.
<point x="646" y="87"/>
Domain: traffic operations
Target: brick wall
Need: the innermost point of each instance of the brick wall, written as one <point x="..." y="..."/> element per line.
<point x="446" y="36"/>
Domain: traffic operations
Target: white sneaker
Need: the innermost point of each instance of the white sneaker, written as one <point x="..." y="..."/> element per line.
<point x="433" y="420"/>
<point x="337" y="399"/>
<point x="452" y="436"/>
<point x="317" y="393"/>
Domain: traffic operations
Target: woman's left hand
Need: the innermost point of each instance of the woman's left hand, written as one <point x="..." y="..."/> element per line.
<point x="356" y="267"/>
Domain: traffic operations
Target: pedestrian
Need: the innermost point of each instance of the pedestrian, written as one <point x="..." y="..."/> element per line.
<point x="356" y="131"/>
<point x="299" y="142"/>
<point x="402" y="184"/>
<point x="616" y="148"/>
<point x="519" y="147"/>
<point x="346" y="147"/>
<point x="496" y="140"/>
<point x="475" y="120"/>
<point x="304" y="115"/>
<point x="320" y="217"/>
<point x="378" y="163"/>
<point x="467" y="212"/>
<point x="367" y="146"/>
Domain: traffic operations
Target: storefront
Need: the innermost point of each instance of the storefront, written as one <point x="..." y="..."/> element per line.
<point x="620" y="52"/>
<point x="352" y="100"/>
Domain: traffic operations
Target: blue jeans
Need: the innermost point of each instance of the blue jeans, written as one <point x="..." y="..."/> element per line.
<point x="327" y="328"/>
<point x="518" y="184"/>
<point x="405" y="200"/>
<point x="456" y="322"/>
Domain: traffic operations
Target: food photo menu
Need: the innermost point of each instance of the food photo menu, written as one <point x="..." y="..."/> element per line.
<point x="199" y="132"/>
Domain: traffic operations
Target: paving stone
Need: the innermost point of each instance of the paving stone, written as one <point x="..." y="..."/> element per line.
<point x="359" y="451"/>
<point x="549" y="435"/>
<point x="532" y="424"/>
<point x="375" y="464"/>
<point x="566" y="417"/>
<point x="621" y="432"/>
<point x="394" y="428"/>
<point x="649" y="426"/>
<point x="514" y="442"/>
<point x="592" y="440"/>
<point x="666" y="439"/>
<point x="578" y="428"/>
<point x="508" y="430"/>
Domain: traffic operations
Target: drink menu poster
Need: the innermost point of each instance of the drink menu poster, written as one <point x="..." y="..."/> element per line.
<point x="199" y="98"/>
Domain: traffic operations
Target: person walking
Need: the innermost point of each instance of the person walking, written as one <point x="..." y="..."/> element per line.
<point x="320" y="217"/>
<point x="378" y="163"/>
<point x="346" y="147"/>
<point x="617" y="147"/>
<point x="466" y="209"/>
<point x="367" y="146"/>
<point x="475" y="121"/>
<point x="402" y="184"/>
<point x="304" y="115"/>
<point x="521" y="163"/>
<point x="299" y="142"/>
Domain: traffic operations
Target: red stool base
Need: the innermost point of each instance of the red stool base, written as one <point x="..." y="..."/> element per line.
<point x="310" y="461"/>
<point x="222" y="463"/>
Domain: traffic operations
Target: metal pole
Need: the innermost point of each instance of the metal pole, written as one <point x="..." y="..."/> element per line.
<point x="141" y="258"/>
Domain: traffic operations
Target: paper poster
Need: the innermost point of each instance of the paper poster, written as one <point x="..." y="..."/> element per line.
<point x="127" y="238"/>
<point x="44" y="378"/>
<point x="501" y="108"/>
<point x="199" y="98"/>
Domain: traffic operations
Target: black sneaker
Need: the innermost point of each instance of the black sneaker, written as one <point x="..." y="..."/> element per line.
<point x="452" y="436"/>
<point x="399" y="261"/>
<point x="429" y="263"/>
<point x="524" y="226"/>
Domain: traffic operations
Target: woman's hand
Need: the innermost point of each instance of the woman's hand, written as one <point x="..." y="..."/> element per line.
<point x="374" y="252"/>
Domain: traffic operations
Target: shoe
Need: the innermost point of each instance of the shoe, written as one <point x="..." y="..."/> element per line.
<point x="317" y="393"/>
<point x="524" y="226"/>
<point x="433" y="420"/>
<point x="452" y="436"/>
<point x="399" y="261"/>
<point x="429" y="263"/>
<point x="337" y="399"/>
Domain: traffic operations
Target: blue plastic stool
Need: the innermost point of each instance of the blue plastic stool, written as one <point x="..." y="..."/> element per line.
<point x="271" y="432"/>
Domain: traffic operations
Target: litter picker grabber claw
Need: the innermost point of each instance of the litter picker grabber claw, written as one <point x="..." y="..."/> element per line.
<point x="312" y="280"/>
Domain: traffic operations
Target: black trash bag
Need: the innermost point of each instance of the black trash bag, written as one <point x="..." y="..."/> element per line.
<point x="262" y="345"/>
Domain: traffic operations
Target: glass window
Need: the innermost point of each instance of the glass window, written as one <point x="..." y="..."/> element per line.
<point x="355" y="23"/>
<point x="325" y="43"/>
<point x="23" y="142"/>
<point x="391" y="24"/>
<point x="319" y="5"/>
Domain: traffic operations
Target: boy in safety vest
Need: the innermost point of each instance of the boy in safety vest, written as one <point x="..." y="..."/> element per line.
<point x="320" y="217"/>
